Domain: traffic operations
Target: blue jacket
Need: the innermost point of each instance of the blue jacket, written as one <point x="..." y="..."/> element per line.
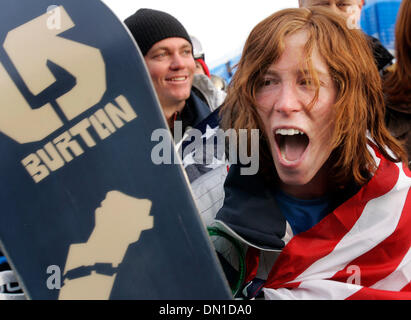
<point x="194" y="111"/>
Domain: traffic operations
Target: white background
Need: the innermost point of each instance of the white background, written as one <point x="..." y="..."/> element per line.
<point x="222" y="26"/>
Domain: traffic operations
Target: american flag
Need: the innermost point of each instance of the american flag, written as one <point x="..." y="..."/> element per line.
<point x="202" y="155"/>
<point x="206" y="165"/>
<point x="359" y="251"/>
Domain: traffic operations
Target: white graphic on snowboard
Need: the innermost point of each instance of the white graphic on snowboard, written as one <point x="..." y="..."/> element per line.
<point x="119" y="223"/>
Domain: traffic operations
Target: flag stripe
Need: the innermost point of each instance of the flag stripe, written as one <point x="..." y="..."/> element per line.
<point x="387" y="255"/>
<point x="334" y="290"/>
<point x="374" y="294"/>
<point x="407" y="170"/>
<point x="308" y="247"/>
<point x="252" y="259"/>
<point x="398" y="279"/>
<point x="378" y="221"/>
<point x="314" y="290"/>
<point x="407" y="288"/>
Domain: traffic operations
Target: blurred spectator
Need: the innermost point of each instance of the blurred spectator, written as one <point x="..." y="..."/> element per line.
<point x="204" y="84"/>
<point x="351" y="11"/>
<point x="199" y="57"/>
<point x="9" y="287"/>
<point x="219" y="82"/>
<point x="397" y="81"/>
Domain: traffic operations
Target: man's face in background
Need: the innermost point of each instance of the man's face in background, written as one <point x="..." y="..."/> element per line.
<point x="348" y="9"/>
<point x="171" y="66"/>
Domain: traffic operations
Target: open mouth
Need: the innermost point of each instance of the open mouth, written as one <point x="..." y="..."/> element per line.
<point x="292" y="143"/>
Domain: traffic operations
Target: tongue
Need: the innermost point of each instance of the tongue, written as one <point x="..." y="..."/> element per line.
<point x="293" y="147"/>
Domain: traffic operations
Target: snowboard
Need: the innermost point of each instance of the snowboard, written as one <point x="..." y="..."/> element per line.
<point x="95" y="204"/>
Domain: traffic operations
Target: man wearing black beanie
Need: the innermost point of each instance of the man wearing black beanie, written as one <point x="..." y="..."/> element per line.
<point x="168" y="53"/>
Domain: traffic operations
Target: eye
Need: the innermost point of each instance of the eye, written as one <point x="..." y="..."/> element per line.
<point x="160" y="55"/>
<point x="306" y="82"/>
<point x="268" y="82"/>
<point x="345" y="6"/>
<point x="321" y="4"/>
<point x="186" y="51"/>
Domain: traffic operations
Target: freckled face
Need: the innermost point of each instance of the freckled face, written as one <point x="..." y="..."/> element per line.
<point x="299" y="137"/>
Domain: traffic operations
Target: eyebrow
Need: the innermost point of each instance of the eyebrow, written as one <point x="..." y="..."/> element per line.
<point x="271" y="72"/>
<point x="324" y="2"/>
<point x="318" y="2"/>
<point x="184" y="46"/>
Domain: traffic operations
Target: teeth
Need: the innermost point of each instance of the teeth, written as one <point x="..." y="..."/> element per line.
<point x="178" y="79"/>
<point x="288" y="132"/>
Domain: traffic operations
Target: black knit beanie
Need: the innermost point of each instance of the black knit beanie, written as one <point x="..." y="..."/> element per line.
<point x="150" y="26"/>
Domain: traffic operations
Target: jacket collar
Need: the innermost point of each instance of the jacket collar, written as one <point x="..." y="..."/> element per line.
<point x="250" y="212"/>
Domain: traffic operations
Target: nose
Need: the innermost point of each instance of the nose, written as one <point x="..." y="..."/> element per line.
<point x="177" y="62"/>
<point x="287" y="100"/>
